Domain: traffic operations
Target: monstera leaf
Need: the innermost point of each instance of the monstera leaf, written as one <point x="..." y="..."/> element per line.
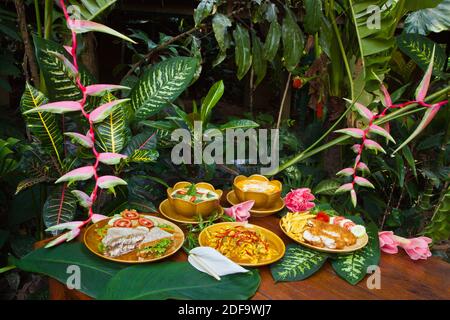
<point x="60" y="206"/>
<point x="111" y="132"/>
<point x="178" y="280"/>
<point x="162" y="84"/>
<point x="434" y="19"/>
<point x="42" y="125"/>
<point x="59" y="77"/>
<point x="92" y="9"/>
<point x="298" y="263"/>
<point x="353" y="267"/>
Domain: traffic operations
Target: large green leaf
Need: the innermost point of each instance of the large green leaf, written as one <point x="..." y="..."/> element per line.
<point x="203" y="10"/>
<point x="42" y="125"/>
<point x="353" y="267"/>
<point x="178" y="280"/>
<point x="242" y="53"/>
<point x="59" y="78"/>
<point x="111" y="132"/>
<point x="272" y="41"/>
<point x="259" y="63"/>
<point x="420" y="49"/>
<point x="375" y="42"/>
<point x="143" y="156"/>
<point x="439" y="226"/>
<point x="298" y="263"/>
<point x="54" y="262"/>
<point x="293" y="40"/>
<point x="313" y="16"/>
<point x="59" y="207"/>
<point x="428" y="20"/>
<point x="162" y="84"/>
<point x="91" y="9"/>
<point x="220" y="24"/>
<point x="327" y="187"/>
<point x="210" y="101"/>
<point x="142" y="141"/>
<point x="8" y="163"/>
<point x="239" y="124"/>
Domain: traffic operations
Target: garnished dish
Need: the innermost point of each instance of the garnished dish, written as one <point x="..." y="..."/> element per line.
<point x="191" y="200"/>
<point x="194" y="194"/>
<point x="245" y="244"/>
<point x="263" y="191"/>
<point x="133" y="237"/>
<point x="324" y="232"/>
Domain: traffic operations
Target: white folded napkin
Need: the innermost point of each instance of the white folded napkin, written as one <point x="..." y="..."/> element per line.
<point x="212" y="262"/>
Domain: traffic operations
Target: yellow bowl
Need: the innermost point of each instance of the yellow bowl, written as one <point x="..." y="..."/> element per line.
<point x="263" y="199"/>
<point x="189" y="209"/>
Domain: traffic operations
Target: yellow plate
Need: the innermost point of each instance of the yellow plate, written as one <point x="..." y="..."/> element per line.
<point x="167" y="211"/>
<point x="279" y="204"/>
<point x="360" y="243"/>
<point x="271" y="237"/>
<point x="92" y="241"/>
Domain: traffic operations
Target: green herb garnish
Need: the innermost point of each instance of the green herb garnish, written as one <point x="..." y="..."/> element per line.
<point x="192" y="190"/>
<point x="158" y="249"/>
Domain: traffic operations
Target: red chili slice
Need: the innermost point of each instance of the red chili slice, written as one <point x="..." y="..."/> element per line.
<point x="193" y="198"/>
<point x="131" y="215"/>
<point x="145" y="222"/>
<point x="122" y="223"/>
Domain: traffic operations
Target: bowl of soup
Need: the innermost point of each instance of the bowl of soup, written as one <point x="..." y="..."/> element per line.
<point x="190" y="199"/>
<point x="263" y="191"/>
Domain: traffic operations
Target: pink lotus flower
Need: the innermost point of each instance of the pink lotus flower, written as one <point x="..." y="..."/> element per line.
<point x="241" y="211"/>
<point x="298" y="200"/>
<point x="387" y="242"/>
<point x="416" y="248"/>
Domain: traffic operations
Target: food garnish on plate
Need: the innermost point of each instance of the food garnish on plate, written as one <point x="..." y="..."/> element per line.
<point x="194" y="194"/>
<point x="321" y="230"/>
<point x="133" y="232"/>
<point x="242" y="244"/>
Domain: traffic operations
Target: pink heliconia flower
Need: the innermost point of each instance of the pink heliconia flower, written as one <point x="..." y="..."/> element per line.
<point x="298" y="200"/>
<point x="98" y="217"/>
<point x="387" y="242"/>
<point x="416" y="248"/>
<point x="241" y="211"/>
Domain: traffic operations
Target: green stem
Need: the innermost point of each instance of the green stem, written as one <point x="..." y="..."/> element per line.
<point x="342" y="49"/>
<point x="396" y="114"/>
<point x="48" y="16"/>
<point x="38" y="18"/>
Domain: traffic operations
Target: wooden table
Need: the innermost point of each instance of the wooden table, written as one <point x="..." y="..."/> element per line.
<point x="401" y="278"/>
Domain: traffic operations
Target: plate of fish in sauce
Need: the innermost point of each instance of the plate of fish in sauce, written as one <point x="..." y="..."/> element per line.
<point x="133" y="237"/>
<point x="335" y="234"/>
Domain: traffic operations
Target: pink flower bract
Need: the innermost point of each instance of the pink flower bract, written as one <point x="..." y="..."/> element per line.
<point x="241" y="211"/>
<point x="387" y="242"/>
<point x="417" y="248"/>
<point x="298" y="200"/>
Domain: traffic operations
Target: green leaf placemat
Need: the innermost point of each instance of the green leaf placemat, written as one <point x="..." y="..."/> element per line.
<point x="178" y="280"/>
<point x="100" y="278"/>
<point x="298" y="263"/>
<point x="353" y="267"/>
<point x="54" y="262"/>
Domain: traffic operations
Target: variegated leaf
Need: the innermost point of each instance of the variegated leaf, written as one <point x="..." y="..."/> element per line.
<point x="60" y="207"/>
<point x="353" y="267"/>
<point x="297" y="264"/>
<point x="59" y="79"/>
<point x="143" y="156"/>
<point x="111" y="132"/>
<point x="42" y="125"/>
<point x="142" y="141"/>
<point x="162" y="84"/>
